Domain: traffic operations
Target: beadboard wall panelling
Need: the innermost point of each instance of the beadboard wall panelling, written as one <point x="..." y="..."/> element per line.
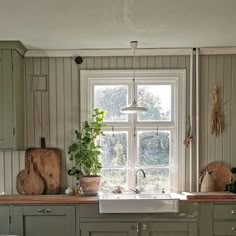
<point x="54" y="113"/>
<point x="220" y="69"/>
<point x="10" y="165"/>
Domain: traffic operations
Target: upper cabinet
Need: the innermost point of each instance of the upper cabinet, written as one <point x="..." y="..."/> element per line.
<point x="11" y="97"/>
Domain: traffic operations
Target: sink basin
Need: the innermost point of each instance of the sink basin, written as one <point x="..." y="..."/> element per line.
<point x="139" y="203"/>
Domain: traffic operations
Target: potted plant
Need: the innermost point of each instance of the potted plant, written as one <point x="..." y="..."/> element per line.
<point x="85" y="153"/>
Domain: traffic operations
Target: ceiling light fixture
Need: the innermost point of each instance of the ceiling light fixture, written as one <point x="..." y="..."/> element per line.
<point x="133" y="107"/>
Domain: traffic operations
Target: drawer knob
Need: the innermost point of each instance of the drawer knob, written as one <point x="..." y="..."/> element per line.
<point x="233" y="228"/>
<point x="41" y="210"/>
<point x="48" y="210"/>
<point x="133" y="227"/>
<point x="233" y="211"/>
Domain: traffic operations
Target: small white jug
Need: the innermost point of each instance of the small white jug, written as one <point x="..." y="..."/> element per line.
<point x="207" y="182"/>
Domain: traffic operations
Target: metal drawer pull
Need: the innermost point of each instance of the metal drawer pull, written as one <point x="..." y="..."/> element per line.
<point x="44" y="210"/>
<point x="144" y="227"/>
<point x="41" y="210"/>
<point x="233" y="211"/>
<point x="233" y="228"/>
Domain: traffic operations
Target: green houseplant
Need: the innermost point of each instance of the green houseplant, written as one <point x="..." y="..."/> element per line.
<point x="85" y="153"/>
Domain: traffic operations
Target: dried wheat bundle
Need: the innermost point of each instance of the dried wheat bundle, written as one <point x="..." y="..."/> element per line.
<point x="217" y="124"/>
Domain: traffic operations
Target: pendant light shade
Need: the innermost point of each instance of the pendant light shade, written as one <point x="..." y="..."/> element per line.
<point x="133" y="107"/>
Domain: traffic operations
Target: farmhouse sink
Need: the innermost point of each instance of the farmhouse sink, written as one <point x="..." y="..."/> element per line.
<point x="139" y="203"/>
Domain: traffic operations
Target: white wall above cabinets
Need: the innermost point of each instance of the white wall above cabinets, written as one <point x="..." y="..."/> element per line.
<point x="11" y="99"/>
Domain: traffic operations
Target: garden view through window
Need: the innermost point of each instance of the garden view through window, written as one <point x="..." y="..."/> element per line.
<point x="148" y="140"/>
<point x="153" y="146"/>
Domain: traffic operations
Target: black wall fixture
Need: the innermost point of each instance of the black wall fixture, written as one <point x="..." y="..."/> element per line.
<point x="78" y="60"/>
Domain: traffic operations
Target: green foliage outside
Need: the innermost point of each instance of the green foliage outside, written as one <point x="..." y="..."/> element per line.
<point x="153" y="148"/>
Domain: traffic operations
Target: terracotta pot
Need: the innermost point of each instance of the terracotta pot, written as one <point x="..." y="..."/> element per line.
<point x="90" y="184"/>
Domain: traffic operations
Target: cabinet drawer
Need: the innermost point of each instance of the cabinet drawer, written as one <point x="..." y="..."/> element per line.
<point x="225" y="211"/>
<point x="225" y="228"/>
<point x="44" y="210"/>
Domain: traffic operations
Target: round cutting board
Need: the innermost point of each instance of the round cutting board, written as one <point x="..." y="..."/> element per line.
<point x="33" y="184"/>
<point x="20" y="179"/>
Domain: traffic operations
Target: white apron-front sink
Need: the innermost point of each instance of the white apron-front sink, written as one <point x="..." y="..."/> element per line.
<point x="139" y="203"/>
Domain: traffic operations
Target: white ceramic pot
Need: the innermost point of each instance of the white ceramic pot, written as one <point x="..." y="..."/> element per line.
<point x="207" y="183"/>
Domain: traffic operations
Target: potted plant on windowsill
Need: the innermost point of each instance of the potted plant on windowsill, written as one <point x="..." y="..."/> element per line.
<point x="85" y="153"/>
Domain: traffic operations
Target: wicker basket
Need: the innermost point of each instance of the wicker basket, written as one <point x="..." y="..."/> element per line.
<point x="220" y="174"/>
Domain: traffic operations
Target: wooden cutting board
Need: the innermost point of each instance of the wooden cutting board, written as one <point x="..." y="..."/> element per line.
<point x="20" y="180"/>
<point x="209" y="195"/>
<point x="47" y="162"/>
<point x="33" y="183"/>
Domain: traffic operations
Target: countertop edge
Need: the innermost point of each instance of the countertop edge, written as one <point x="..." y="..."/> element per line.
<point x="65" y="199"/>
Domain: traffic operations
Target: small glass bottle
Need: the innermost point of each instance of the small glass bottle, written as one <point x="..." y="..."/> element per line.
<point x="77" y="188"/>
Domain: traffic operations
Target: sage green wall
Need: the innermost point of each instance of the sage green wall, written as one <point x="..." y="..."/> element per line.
<point x="220" y="69"/>
<point x="55" y="113"/>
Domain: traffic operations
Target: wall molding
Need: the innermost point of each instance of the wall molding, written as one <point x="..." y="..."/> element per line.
<point x="17" y="45"/>
<point x="128" y="52"/>
<point x="217" y="51"/>
<point x="108" y="52"/>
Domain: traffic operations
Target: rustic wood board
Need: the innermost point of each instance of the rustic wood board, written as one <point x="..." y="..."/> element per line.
<point x="209" y="195"/>
<point x="33" y="184"/>
<point x="47" y="162"/>
<point x="20" y="179"/>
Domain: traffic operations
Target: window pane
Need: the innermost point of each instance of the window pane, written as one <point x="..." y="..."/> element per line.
<point x="153" y="148"/>
<point x="114" y="146"/>
<point x="156" y="179"/>
<point x="112" y="99"/>
<point x="112" y="178"/>
<point x="157" y="99"/>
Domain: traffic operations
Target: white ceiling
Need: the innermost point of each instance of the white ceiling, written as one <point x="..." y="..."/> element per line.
<point x="90" y="24"/>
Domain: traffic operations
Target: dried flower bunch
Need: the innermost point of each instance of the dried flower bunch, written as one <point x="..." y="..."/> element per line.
<point x="217" y="124"/>
<point x="188" y="137"/>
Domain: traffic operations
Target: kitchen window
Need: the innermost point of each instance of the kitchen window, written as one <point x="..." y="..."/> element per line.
<point x="152" y="140"/>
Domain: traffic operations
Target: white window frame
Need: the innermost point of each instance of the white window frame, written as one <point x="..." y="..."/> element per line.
<point x="177" y="77"/>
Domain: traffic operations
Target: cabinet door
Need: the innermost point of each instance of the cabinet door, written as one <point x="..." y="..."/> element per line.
<point x="169" y="229"/>
<point x="44" y="220"/>
<point x="1" y="102"/>
<point x="6" y="100"/>
<point x="4" y="220"/>
<point x="108" y="229"/>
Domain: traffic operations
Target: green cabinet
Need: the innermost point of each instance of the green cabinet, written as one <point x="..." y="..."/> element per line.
<point x="43" y="220"/>
<point x="4" y="220"/>
<point x="224" y="218"/>
<point x="169" y="229"/>
<point x="139" y="229"/>
<point x="11" y="100"/>
<point x="109" y="229"/>
<point x="92" y="223"/>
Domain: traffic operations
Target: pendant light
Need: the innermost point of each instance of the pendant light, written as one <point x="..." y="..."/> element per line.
<point x="133" y="107"/>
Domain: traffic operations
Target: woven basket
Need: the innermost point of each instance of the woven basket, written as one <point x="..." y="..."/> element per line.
<point x="220" y="174"/>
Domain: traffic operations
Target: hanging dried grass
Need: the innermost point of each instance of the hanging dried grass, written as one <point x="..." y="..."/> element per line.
<point x="217" y="125"/>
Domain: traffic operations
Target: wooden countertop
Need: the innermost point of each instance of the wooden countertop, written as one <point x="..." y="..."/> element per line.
<point x="46" y="199"/>
<point x="76" y="199"/>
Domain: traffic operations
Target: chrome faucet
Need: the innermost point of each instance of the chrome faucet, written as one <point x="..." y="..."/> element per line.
<point x="136" y="190"/>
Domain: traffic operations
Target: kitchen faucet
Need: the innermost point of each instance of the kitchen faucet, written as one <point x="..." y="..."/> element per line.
<point x="136" y="190"/>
